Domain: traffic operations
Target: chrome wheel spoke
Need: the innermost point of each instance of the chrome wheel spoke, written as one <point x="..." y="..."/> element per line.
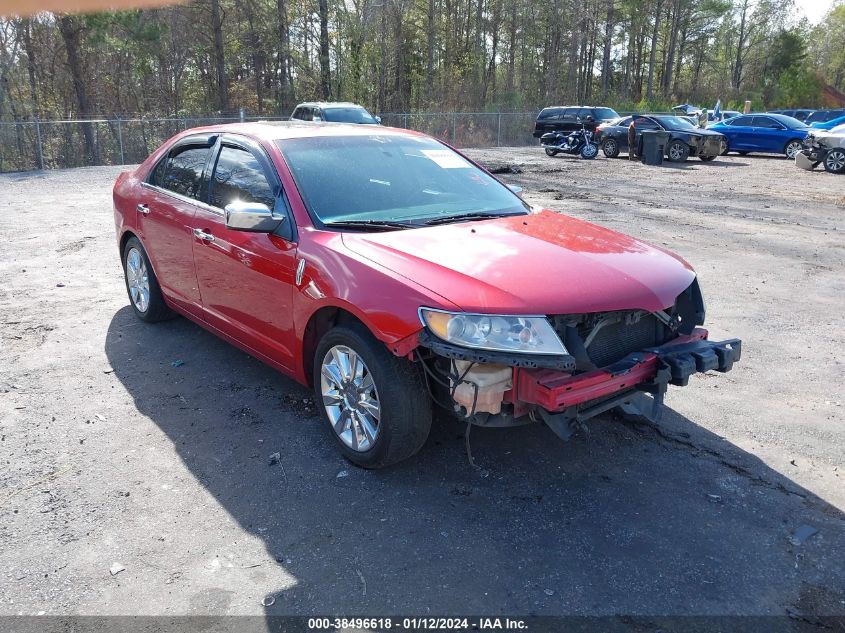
<point x="371" y="407"/>
<point x="341" y="361"/>
<point x="331" y="373"/>
<point x="369" y="429"/>
<point x="342" y="422"/>
<point x="350" y="398"/>
<point x="332" y="398"/>
<point x="366" y="384"/>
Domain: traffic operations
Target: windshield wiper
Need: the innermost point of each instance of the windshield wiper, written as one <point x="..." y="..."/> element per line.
<point x="466" y="217"/>
<point x="387" y="225"/>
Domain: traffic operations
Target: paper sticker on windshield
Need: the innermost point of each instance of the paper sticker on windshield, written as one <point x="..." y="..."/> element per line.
<point x="446" y="158"/>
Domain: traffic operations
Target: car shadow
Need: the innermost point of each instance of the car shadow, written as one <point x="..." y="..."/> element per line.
<point x="629" y="518"/>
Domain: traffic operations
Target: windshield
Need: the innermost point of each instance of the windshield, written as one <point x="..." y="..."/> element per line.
<point x="348" y="115"/>
<point x="391" y="178"/>
<point x="604" y="114"/>
<point x="675" y="123"/>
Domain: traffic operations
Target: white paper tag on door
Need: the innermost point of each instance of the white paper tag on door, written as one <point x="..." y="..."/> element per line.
<point x="446" y="159"/>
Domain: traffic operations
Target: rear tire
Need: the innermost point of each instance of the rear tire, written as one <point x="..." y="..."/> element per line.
<point x="551" y="152"/>
<point x="142" y="285"/>
<point x="398" y="390"/>
<point x="677" y="152"/>
<point x="610" y="147"/>
<point x="707" y="158"/>
<point x="834" y="162"/>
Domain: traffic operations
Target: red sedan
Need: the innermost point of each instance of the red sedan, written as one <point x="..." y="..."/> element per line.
<point x="390" y="272"/>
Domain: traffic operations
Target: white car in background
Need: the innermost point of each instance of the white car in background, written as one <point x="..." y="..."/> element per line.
<point x="826" y="147"/>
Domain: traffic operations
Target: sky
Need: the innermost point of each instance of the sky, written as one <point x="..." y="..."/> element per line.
<point x="814" y="9"/>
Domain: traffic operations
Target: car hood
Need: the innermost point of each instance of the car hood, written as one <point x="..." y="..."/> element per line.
<point x="827" y="138"/>
<point x="543" y="263"/>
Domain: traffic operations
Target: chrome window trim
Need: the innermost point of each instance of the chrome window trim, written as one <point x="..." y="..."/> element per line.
<point x="178" y="196"/>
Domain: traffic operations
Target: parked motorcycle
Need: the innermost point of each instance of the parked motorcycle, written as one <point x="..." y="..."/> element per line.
<point x="578" y="142"/>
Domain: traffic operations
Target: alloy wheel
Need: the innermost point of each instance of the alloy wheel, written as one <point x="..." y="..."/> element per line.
<point x="835" y="161"/>
<point x="792" y="149"/>
<point x="675" y="151"/>
<point x="350" y="398"/>
<point x="590" y="150"/>
<point x="138" y="280"/>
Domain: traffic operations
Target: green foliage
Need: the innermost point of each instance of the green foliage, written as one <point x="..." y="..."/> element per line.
<point x="165" y="61"/>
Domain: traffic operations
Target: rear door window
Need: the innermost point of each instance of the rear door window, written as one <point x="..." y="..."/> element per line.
<point x="766" y="122"/>
<point x="238" y="176"/>
<point x="741" y="120"/>
<point x="183" y="172"/>
<point x="646" y="124"/>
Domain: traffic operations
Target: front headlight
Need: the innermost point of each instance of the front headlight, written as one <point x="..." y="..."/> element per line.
<point x="493" y="332"/>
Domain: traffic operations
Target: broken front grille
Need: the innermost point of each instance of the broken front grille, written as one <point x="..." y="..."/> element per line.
<point x="601" y="339"/>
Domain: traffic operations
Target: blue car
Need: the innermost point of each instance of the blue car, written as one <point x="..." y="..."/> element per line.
<point x="765" y="133"/>
<point x="828" y="125"/>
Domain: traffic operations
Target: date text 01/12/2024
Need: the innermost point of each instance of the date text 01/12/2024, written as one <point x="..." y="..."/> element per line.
<point x="418" y="624"/>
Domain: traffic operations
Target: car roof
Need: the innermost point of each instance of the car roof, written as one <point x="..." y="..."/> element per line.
<point x="279" y="130"/>
<point x="578" y="106"/>
<point x="330" y="104"/>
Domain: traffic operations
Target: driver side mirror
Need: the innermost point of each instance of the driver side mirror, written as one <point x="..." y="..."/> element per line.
<point x="591" y="119"/>
<point x="378" y="119"/>
<point x="516" y="189"/>
<point x="317" y="119"/>
<point x="253" y="217"/>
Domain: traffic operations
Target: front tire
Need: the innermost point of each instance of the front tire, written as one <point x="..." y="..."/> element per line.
<point x="142" y="285"/>
<point x="677" y="152"/>
<point x="375" y="404"/>
<point x="834" y="162"/>
<point x="589" y="151"/>
<point x="610" y="147"/>
<point x="792" y="148"/>
<point x="551" y="152"/>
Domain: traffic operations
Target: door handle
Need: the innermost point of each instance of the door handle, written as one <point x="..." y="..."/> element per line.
<point x="144" y="209"/>
<point x="205" y="237"/>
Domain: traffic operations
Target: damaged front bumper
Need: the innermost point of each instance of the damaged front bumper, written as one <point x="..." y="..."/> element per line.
<point x="672" y="363"/>
<point x="550" y="390"/>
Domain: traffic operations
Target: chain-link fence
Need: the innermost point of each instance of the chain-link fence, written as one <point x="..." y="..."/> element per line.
<point x="34" y="144"/>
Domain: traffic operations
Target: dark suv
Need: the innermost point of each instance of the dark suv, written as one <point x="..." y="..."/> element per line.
<point x="801" y="115"/>
<point x="823" y="116"/>
<point x="568" y="118"/>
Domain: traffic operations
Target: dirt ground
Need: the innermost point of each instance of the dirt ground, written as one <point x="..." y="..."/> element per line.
<point x="148" y="447"/>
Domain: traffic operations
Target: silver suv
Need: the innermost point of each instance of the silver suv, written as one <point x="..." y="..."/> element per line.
<point x="334" y="112"/>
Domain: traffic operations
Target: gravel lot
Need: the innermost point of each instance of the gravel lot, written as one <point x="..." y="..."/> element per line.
<point x="149" y="446"/>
